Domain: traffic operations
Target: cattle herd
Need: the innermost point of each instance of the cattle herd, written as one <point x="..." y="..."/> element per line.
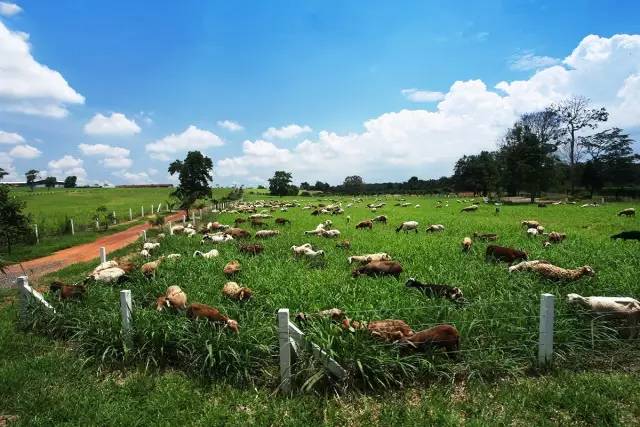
<point x="396" y="331"/>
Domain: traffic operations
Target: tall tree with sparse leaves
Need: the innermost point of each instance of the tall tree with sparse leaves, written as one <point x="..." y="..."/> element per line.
<point x="576" y="114"/>
<point x="31" y="176"/>
<point x="194" y="175"/>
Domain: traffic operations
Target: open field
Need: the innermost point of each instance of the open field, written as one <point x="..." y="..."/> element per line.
<point x="45" y="383"/>
<point x="498" y="325"/>
<point x="51" y="210"/>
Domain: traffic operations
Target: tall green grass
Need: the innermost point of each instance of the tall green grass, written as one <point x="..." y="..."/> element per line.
<point x="499" y="325"/>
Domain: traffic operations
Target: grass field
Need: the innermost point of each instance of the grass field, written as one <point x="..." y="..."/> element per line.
<point x="51" y="210"/>
<point x="44" y="383"/>
<point x="499" y="325"/>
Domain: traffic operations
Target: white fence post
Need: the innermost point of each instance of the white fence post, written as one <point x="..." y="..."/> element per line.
<point x="152" y="209"/>
<point x="130" y="215"/>
<point x="97" y="225"/>
<point x="115" y="221"/>
<point x="545" y="340"/>
<point x="126" y="311"/>
<point x="184" y="219"/>
<point x="285" y="350"/>
<point x="142" y="210"/>
<point x="36" y="231"/>
<point x="170" y="229"/>
<point x="73" y="230"/>
<point x="159" y="206"/>
<point x="103" y="254"/>
<point x="144" y="235"/>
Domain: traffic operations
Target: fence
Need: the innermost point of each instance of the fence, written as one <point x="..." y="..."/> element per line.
<point x="290" y="338"/>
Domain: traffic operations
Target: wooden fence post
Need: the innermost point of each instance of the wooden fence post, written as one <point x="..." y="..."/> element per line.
<point x="285" y="350"/>
<point x="103" y="254"/>
<point x="73" y="230"/>
<point x="36" y="231"/>
<point x="130" y="215"/>
<point x="126" y="311"/>
<point x="545" y="340"/>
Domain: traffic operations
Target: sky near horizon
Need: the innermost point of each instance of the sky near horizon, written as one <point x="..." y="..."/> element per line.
<point x="113" y="91"/>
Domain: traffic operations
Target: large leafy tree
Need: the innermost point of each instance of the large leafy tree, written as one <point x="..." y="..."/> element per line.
<point x="194" y="175"/>
<point x="575" y="114"/>
<point x="280" y="184"/>
<point x="477" y="173"/>
<point x="13" y="222"/>
<point x="527" y="163"/>
<point x="50" y="181"/>
<point x="353" y="184"/>
<point x="612" y="152"/>
<point x="31" y="176"/>
<point x="70" y="181"/>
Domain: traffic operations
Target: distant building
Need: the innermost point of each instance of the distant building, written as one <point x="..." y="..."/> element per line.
<point x="38" y="184"/>
<point x="145" y="186"/>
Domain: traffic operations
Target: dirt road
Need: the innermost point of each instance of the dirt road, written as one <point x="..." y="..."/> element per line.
<point x="38" y="267"/>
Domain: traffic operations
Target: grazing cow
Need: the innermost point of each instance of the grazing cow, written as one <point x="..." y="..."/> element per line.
<point x="501" y="253"/>
<point x="379" y="268"/>
<point x="445" y="291"/>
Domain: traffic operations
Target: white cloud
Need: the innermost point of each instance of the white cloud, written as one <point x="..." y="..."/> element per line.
<point x="117" y="124"/>
<point x="471" y="117"/>
<point x="68" y="166"/>
<point x="10" y="138"/>
<point x="191" y="139"/>
<point x="529" y="61"/>
<point x="116" y="162"/>
<point x="230" y="125"/>
<point x="286" y="132"/>
<point x="9" y="9"/>
<point x="103" y="150"/>
<point x="133" y="177"/>
<point x="6" y="163"/>
<point x="416" y="95"/>
<point x="25" y="152"/>
<point x="27" y="86"/>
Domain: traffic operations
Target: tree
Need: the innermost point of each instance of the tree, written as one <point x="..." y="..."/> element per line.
<point x="70" y="181"/>
<point x="50" y="182"/>
<point x="612" y="149"/>
<point x="194" y="175"/>
<point x="353" y="184"/>
<point x="478" y="173"/>
<point x="104" y="216"/>
<point x="527" y="162"/>
<point x="305" y="186"/>
<point x="321" y="186"/>
<point x="13" y="222"/>
<point x="575" y="115"/>
<point x="279" y="185"/>
<point x="31" y="176"/>
<point x="593" y="176"/>
<point x="3" y="173"/>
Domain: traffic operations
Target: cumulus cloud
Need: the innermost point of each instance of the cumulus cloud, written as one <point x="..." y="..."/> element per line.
<point x="116" y="162"/>
<point x="103" y="150"/>
<point x="230" y="125"/>
<point x="9" y="9"/>
<point x="286" y="132"/>
<point x="117" y="124"/>
<point x="529" y="61"/>
<point x="28" y="87"/>
<point x="133" y="177"/>
<point x="416" y="95"/>
<point x="10" y="138"/>
<point x="68" y="166"/>
<point x="25" y="152"/>
<point x="469" y="118"/>
<point x="191" y="139"/>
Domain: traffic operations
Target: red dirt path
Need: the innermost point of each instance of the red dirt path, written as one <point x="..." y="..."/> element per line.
<point x="38" y="267"/>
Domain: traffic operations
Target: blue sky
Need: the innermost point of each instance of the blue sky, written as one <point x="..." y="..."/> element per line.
<point x="383" y="89"/>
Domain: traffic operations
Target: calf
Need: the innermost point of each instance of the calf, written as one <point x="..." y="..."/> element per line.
<point x="501" y="253"/>
<point x="445" y="291"/>
<point x="67" y="291"/>
<point x="379" y="268"/>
